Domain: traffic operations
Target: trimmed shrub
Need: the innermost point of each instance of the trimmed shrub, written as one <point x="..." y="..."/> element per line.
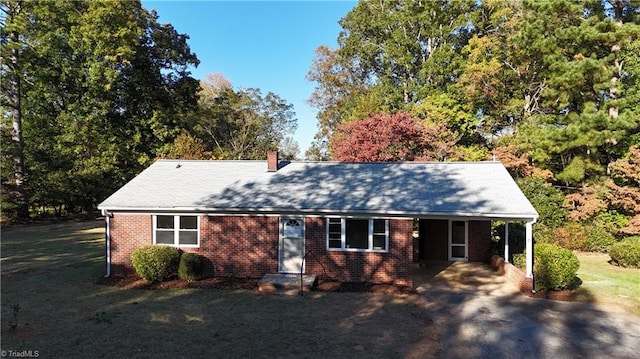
<point x="191" y="266"/>
<point x="554" y="267"/>
<point x="626" y="252"/>
<point x="156" y="263"/>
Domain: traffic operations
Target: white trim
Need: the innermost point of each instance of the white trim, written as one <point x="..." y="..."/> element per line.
<point x="123" y="213"/>
<point x="466" y="241"/>
<point x="107" y="217"/>
<point x="176" y="229"/>
<point x="506" y="241"/>
<point x="529" y="250"/>
<point x="372" y="234"/>
<point x="234" y="214"/>
<point x="343" y="235"/>
<point x="324" y="213"/>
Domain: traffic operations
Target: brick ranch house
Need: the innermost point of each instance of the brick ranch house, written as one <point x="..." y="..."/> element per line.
<point x="351" y="221"/>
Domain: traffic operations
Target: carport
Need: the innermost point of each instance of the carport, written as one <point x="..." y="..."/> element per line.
<point x="469" y="239"/>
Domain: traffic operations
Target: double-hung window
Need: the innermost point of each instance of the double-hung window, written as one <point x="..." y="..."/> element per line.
<point x="354" y="234"/>
<point x="175" y="230"/>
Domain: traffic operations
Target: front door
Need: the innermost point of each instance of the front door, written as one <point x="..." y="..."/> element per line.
<point x="458" y="241"/>
<point x="291" y="250"/>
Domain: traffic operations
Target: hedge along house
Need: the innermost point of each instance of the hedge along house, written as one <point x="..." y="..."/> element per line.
<point x="351" y="221"/>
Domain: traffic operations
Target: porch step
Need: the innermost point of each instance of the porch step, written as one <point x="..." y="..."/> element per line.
<point x="287" y="283"/>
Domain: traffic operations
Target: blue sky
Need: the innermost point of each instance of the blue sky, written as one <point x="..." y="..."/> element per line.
<point x="264" y="44"/>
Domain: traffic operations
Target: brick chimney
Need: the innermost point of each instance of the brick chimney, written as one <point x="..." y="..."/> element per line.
<point x="272" y="161"/>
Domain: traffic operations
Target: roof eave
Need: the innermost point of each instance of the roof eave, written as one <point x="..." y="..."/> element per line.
<point x="322" y="212"/>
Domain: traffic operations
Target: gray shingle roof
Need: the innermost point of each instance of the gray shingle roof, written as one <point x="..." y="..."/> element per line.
<point x="472" y="189"/>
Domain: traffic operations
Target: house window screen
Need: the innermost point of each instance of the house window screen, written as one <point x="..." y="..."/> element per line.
<point x="176" y="230"/>
<point x="357" y="234"/>
<point x="457" y="232"/>
<point x="379" y="234"/>
<point x="164" y="230"/>
<point x="334" y="233"/>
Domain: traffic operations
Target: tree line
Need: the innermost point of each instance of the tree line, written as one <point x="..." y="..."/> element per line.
<point x="94" y="91"/>
<point x="550" y="88"/>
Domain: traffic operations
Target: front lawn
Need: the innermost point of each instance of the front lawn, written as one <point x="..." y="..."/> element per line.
<point x="51" y="271"/>
<point x="607" y="284"/>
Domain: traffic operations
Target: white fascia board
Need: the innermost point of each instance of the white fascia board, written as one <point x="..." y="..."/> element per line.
<point x="323" y="212"/>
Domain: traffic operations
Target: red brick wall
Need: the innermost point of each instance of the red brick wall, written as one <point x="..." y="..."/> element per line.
<point x="512" y="273"/>
<point x="392" y="267"/>
<point x="479" y="241"/>
<point x="434" y="238"/>
<point x="247" y="246"/>
<point x="128" y="232"/>
<point x="241" y="246"/>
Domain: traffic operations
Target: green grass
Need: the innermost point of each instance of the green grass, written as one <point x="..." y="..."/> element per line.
<point x="606" y="284"/>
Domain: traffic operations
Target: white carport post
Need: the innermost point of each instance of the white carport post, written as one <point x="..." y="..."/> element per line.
<point x="529" y="249"/>
<point x="506" y="241"/>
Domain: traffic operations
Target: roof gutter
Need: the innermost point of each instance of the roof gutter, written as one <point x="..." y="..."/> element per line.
<point x="321" y="212"/>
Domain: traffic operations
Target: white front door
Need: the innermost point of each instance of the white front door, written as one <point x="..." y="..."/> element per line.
<point x="458" y="241"/>
<point x="291" y="250"/>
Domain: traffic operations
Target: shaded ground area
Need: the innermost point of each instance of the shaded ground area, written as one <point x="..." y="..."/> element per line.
<point x="51" y="274"/>
<point x="456" y="277"/>
<point x="460" y="277"/>
<point x="135" y="282"/>
<point x="504" y="326"/>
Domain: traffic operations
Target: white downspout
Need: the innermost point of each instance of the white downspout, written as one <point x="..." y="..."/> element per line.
<point x="107" y="217"/>
<point x="506" y="241"/>
<point x="529" y="251"/>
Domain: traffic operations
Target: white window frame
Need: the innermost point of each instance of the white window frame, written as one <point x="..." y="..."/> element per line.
<point x="176" y="230"/>
<point x="343" y="236"/>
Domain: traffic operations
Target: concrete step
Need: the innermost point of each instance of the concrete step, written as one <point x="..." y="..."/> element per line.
<point x="286" y="282"/>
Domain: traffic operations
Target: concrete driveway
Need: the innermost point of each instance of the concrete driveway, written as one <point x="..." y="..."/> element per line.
<point x="493" y="320"/>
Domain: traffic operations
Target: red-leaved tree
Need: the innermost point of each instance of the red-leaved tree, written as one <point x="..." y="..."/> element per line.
<point x="389" y="138"/>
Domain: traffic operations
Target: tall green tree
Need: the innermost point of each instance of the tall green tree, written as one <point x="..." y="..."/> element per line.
<point x="500" y="78"/>
<point x="105" y="88"/>
<point x="14" y="23"/>
<point x="407" y="47"/>
<point x="392" y="56"/>
<point x="340" y="94"/>
<point x="585" y="113"/>
<point x="242" y="123"/>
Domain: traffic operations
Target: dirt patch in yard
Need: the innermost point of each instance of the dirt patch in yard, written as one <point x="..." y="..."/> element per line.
<point x="359" y="287"/>
<point x="135" y="282"/>
<point x="561" y="295"/>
